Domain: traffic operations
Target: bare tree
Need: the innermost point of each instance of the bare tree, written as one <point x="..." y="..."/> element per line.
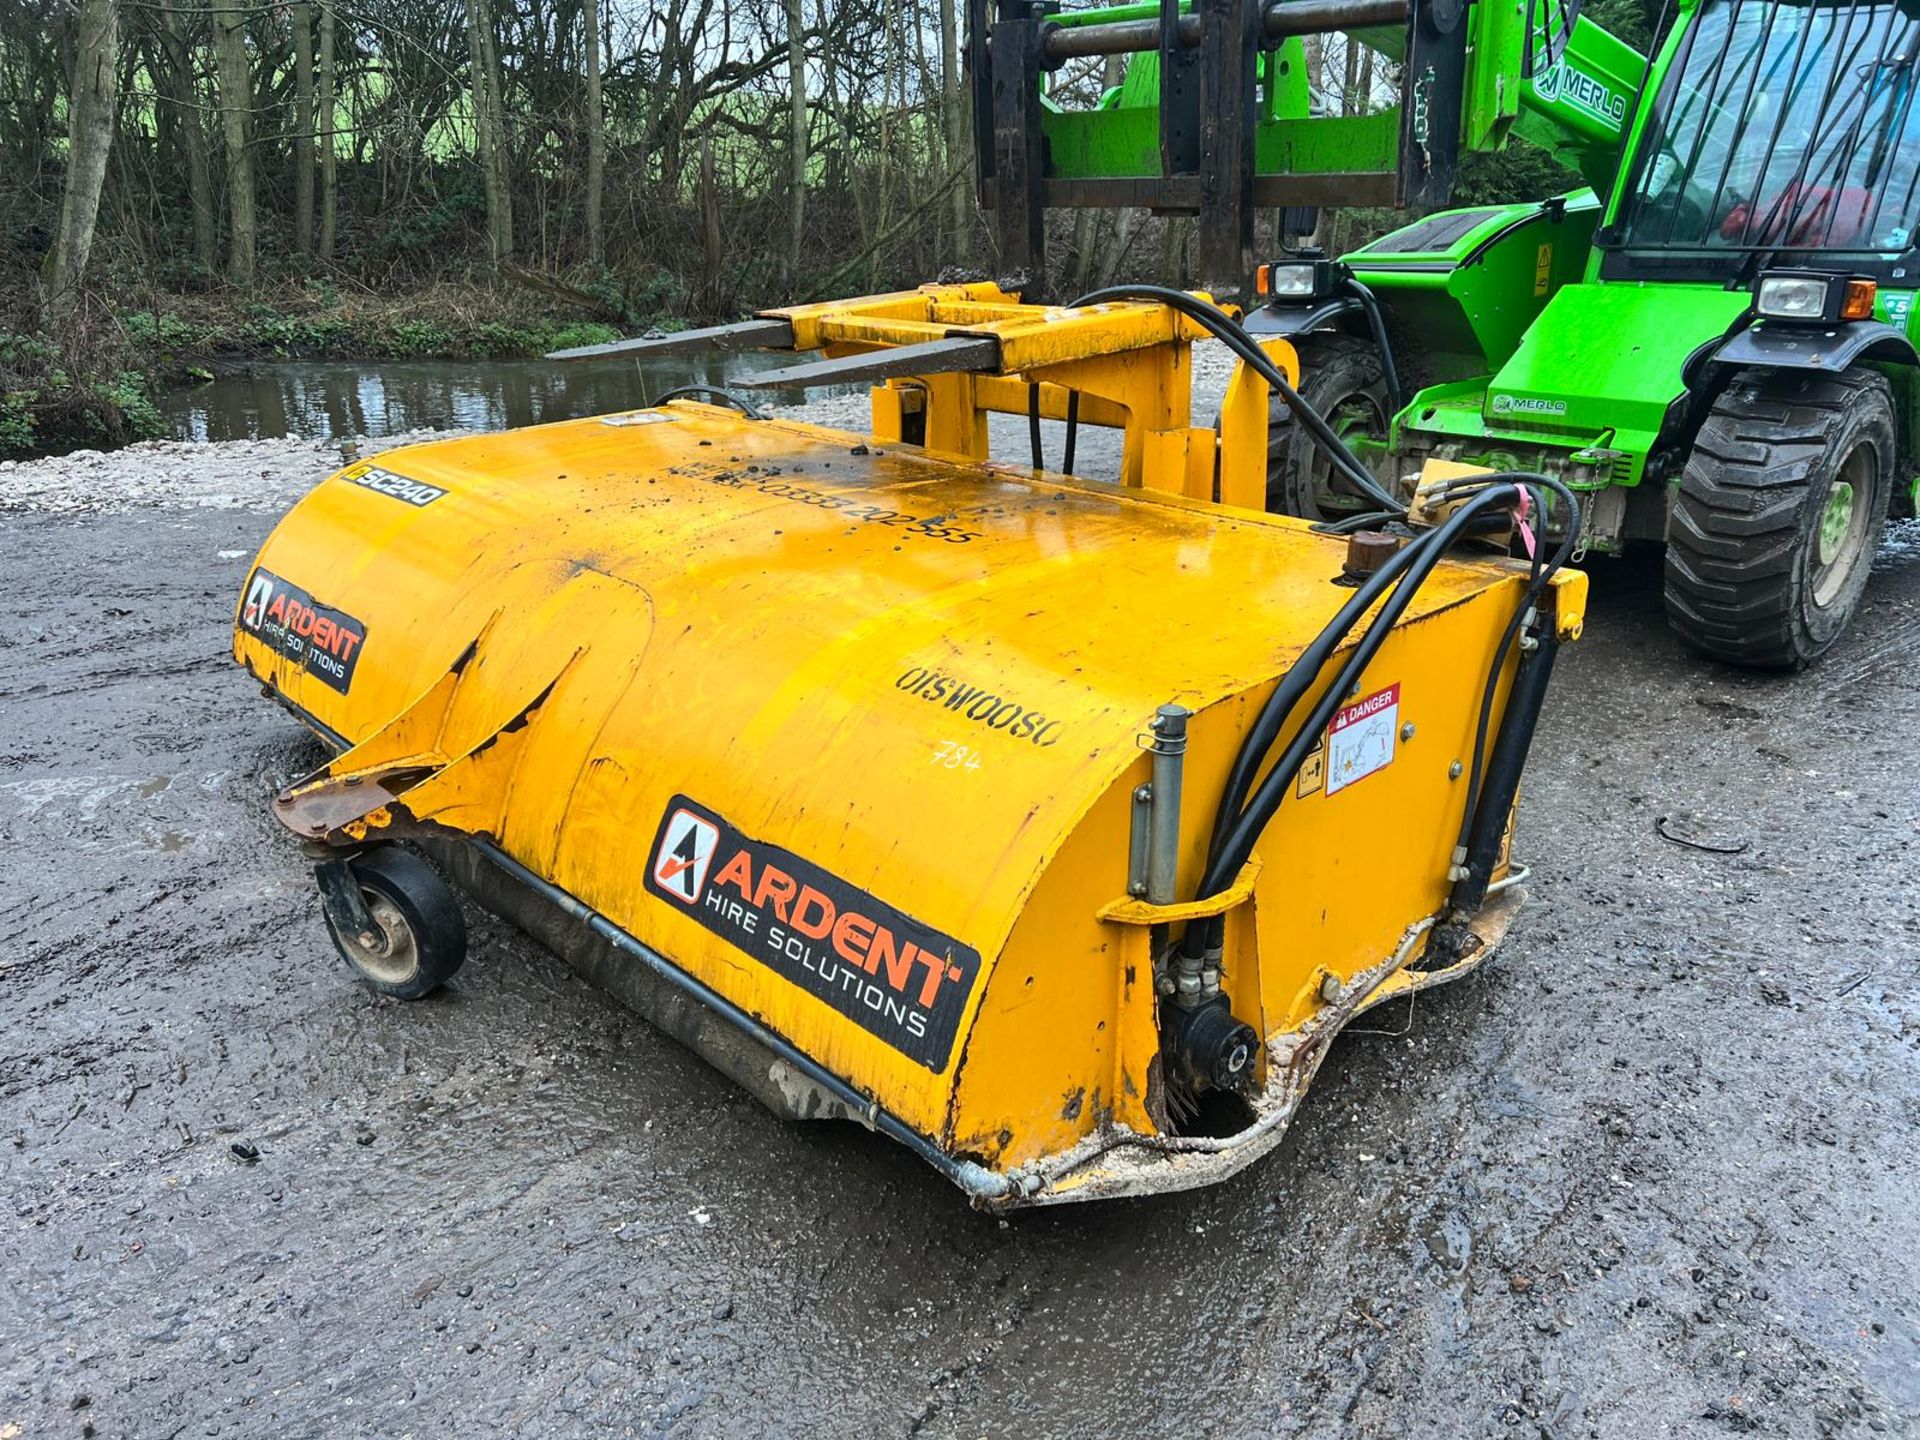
<point x="489" y="124"/>
<point x="90" y="117"/>
<point x="796" y="132"/>
<point x="179" y="83"/>
<point x="300" y="13"/>
<point x="236" y="106"/>
<point x="713" y="247"/>
<point x="596" y="133"/>
<point x="329" y="157"/>
<point x="954" y="112"/>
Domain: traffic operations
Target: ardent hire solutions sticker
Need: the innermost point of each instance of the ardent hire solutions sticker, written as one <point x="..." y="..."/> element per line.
<point x="325" y="641"/>
<point x="889" y="973"/>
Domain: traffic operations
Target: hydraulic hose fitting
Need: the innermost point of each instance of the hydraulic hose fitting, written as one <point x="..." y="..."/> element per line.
<point x="1209" y="1049"/>
<point x="1195" y="976"/>
<point x="1206" y="1047"/>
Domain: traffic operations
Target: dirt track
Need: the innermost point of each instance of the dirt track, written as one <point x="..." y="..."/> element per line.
<point x="1650" y="1174"/>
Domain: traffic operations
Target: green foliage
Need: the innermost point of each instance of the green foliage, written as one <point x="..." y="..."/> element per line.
<point x="440" y="226"/>
<point x="284" y="334"/>
<point x="24" y="352"/>
<point x="17" y="429"/>
<point x="661" y="293"/>
<point x="130" y="395"/>
<point x="416" y="339"/>
<point x="328" y="329"/>
<point x="578" y="334"/>
<point x="1521" y="172"/>
<point x="605" y="287"/>
<point x="166" y="331"/>
<point x="44" y="403"/>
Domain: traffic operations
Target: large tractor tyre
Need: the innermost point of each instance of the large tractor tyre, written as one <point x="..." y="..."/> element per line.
<point x="420" y="936"/>
<point x="1341" y="377"/>
<point x="1778" y="515"/>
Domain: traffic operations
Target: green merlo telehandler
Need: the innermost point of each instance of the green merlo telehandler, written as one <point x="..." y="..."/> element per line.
<point x="1710" y="343"/>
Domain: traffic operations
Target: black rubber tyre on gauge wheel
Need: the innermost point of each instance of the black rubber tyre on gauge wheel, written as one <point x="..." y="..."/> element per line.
<point x="1341" y="377"/>
<point x="420" y="936"/>
<point x="1778" y="514"/>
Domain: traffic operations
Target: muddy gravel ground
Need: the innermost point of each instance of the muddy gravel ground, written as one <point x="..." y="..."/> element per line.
<point x="1651" y="1173"/>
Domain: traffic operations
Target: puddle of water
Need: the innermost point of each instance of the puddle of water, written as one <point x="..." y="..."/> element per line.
<point x="324" y="400"/>
<point x="1899" y="545"/>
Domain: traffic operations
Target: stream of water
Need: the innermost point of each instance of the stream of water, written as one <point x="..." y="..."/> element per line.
<point x="323" y="400"/>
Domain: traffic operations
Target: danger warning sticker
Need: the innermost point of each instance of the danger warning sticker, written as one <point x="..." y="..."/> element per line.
<point x="886" y="971"/>
<point x="1362" y="738"/>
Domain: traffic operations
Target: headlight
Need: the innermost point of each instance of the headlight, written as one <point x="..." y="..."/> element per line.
<point x="1311" y="277"/>
<point x="1292" y="282"/>
<point x="1819" y="296"/>
<point x="1792" y="297"/>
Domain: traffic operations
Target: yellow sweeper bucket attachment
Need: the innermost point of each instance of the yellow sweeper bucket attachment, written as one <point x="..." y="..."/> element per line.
<point x="891" y="778"/>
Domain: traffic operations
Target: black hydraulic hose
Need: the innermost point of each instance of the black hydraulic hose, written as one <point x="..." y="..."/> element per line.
<point x="1348" y="524"/>
<point x="1485" y="721"/>
<point x="1237" y="828"/>
<point x="1033" y="427"/>
<point x="1489" y="817"/>
<point x="1231" y="843"/>
<point x="1225" y="328"/>
<point x="1073" y="431"/>
<point x="1306" y="669"/>
<point x="1273" y="715"/>
<point x="714" y="392"/>
<point x="1536" y="591"/>
<point x="1239" y="837"/>
<point x="1377" y="323"/>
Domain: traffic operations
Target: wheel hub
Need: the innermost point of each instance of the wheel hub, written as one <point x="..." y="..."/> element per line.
<point x="1840" y="534"/>
<point x="1835" y="520"/>
<point x="1355" y="416"/>
<point x="392" y="958"/>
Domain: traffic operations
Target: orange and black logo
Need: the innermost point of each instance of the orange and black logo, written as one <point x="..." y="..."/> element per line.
<point x="325" y="641"/>
<point x="881" y="968"/>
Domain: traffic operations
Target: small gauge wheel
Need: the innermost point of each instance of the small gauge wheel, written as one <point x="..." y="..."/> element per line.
<point x="419" y="937"/>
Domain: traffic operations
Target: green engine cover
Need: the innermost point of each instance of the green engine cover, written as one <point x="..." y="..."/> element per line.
<point x="1599" y="367"/>
<point x="1465" y="284"/>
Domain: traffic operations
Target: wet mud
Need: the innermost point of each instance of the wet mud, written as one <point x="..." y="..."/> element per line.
<point x="1650" y="1173"/>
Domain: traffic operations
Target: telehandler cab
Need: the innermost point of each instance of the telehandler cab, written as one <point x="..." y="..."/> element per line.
<point x="1714" y="345"/>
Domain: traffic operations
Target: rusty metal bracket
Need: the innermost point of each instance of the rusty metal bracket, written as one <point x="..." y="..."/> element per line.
<point x="345" y="907"/>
